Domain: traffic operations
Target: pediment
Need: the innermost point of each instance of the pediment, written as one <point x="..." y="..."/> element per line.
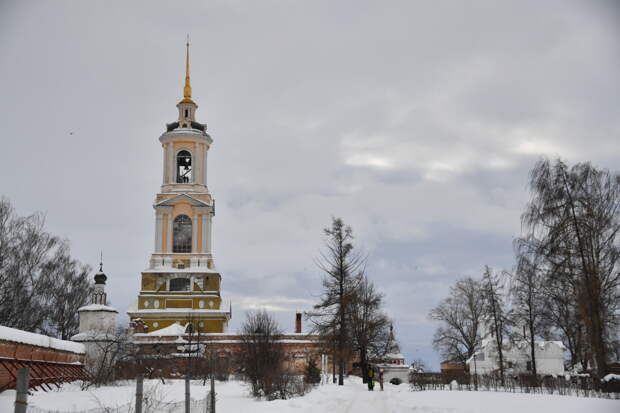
<point x="182" y="197"/>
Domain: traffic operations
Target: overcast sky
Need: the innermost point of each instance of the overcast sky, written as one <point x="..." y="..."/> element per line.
<point x="416" y="122"/>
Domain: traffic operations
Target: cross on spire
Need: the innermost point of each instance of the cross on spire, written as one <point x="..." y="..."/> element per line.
<point x="187" y="90"/>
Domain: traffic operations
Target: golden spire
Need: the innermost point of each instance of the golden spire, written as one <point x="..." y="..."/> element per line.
<point x="187" y="90"/>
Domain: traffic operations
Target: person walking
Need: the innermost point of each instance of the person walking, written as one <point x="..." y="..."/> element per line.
<point x="371" y="376"/>
<point x="381" y="379"/>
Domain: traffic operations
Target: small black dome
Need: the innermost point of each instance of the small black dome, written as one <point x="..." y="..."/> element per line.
<point x="100" y="278"/>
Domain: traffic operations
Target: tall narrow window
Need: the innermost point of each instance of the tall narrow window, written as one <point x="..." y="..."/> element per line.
<point x="186" y="113"/>
<point x="182" y="234"/>
<point x="184" y="167"/>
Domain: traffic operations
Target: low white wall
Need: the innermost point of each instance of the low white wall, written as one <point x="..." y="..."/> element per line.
<point x="389" y="372"/>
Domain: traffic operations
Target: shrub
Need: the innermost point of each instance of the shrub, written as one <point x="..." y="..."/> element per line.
<point x="262" y="359"/>
<point x="312" y="374"/>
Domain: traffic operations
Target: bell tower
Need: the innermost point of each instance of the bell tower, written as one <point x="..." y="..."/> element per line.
<point x="181" y="284"/>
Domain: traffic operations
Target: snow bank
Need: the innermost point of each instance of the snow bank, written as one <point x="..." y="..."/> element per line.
<point x="233" y="396"/>
<point x="25" y="337"/>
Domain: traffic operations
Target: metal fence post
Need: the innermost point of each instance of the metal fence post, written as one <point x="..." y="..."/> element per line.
<point x="139" y="392"/>
<point x="21" y="397"/>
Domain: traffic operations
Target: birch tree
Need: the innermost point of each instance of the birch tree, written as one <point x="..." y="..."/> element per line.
<point x="574" y="215"/>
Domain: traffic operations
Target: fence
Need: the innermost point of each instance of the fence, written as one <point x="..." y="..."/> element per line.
<point x="196" y="406"/>
<point x="584" y="386"/>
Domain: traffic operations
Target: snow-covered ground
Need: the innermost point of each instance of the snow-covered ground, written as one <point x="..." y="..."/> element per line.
<point x="353" y="397"/>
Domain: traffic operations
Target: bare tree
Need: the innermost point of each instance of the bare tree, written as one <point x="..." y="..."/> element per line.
<point x="369" y="324"/>
<point x="461" y="315"/>
<point x="341" y="266"/>
<point x="261" y="357"/>
<point x="70" y="288"/>
<point x="528" y="293"/>
<point x="25" y="249"/>
<point x="574" y="215"/>
<point x="41" y="286"/>
<point x="496" y="315"/>
<point x="418" y="366"/>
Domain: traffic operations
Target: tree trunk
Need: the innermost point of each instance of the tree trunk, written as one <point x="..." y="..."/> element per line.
<point x="533" y="352"/>
<point x="498" y="333"/>
<point x="342" y="336"/>
<point x="531" y="323"/>
<point x="364" y="366"/>
<point x="334" y="368"/>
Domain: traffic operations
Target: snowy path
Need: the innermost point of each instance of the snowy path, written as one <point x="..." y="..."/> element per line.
<point x="353" y="397"/>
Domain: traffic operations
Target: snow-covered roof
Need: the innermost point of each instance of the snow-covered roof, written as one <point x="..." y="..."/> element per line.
<point x="611" y="377"/>
<point x="190" y="270"/>
<point x="97" y="307"/>
<point x="186" y="132"/>
<point x="175" y="329"/>
<point x="26" y="337"/>
<point x="541" y="344"/>
<point x="179" y="310"/>
<point x="394" y="356"/>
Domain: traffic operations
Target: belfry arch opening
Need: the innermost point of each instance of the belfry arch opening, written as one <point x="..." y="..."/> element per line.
<point x="179" y="284"/>
<point x="184" y="167"/>
<point x="182" y="234"/>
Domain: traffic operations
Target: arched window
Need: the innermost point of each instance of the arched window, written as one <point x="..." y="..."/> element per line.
<point x="184" y="167"/>
<point x="182" y="234"/>
<point x="179" y="284"/>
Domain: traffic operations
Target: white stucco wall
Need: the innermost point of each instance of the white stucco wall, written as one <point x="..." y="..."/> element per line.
<point x="549" y="358"/>
<point x="97" y="320"/>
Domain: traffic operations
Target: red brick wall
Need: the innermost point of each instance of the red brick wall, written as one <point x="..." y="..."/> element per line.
<point x="299" y="349"/>
<point x="11" y="350"/>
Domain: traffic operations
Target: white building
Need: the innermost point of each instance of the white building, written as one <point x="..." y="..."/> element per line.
<point x="549" y="358"/>
<point x="393" y="363"/>
<point x="97" y="321"/>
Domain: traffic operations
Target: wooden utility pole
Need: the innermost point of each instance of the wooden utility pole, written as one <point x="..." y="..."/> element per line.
<point x="139" y="392"/>
<point x="212" y="393"/>
<point x="187" y="404"/>
<point x="21" y="397"/>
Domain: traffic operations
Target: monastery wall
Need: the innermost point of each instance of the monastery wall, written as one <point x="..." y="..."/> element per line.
<point x="299" y="349"/>
<point x="18" y="347"/>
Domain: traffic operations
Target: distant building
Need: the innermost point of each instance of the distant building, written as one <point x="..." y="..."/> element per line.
<point x="452" y="367"/>
<point x="549" y="358"/>
<point x="393" y="362"/>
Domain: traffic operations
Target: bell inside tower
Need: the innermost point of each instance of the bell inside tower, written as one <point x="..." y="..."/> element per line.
<point x="184" y="167"/>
